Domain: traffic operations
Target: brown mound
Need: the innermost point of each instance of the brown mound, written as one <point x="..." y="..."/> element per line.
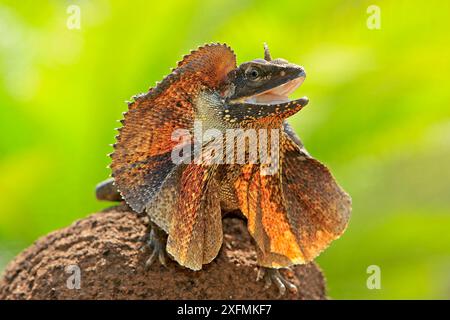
<point x="106" y="245"/>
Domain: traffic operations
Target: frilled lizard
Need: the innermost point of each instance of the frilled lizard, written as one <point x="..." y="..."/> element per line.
<point x="292" y="213"/>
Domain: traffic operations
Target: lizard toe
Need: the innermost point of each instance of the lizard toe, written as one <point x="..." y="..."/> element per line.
<point x="150" y="260"/>
<point x="273" y="276"/>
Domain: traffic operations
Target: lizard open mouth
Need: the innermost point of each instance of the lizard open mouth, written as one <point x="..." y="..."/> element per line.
<point x="279" y="94"/>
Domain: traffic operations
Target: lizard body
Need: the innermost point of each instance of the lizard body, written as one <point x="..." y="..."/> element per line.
<point x="293" y="213"/>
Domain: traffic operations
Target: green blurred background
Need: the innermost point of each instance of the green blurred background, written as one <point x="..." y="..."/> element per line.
<point x="379" y="116"/>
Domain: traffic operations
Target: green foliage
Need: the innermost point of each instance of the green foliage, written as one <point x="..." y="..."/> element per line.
<point x="378" y="115"/>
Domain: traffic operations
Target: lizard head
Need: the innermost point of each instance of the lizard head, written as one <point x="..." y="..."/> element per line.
<point x="264" y="81"/>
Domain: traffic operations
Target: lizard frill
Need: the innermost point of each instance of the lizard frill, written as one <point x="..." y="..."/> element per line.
<point x="296" y="213"/>
<point x="175" y="195"/>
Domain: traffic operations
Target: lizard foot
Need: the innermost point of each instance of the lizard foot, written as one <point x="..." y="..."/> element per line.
<point x="273" y="276"/>
<point x="157" y="244"/>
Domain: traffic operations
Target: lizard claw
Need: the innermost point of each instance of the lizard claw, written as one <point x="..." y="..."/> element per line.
<point x="157" y="244"/>
<point x="273" y="276"/>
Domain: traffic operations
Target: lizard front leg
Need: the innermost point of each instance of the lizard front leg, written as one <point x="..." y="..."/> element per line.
<point x="273" y="276"/>
<point x="155" y="239"/>
<point x="156" y="242"/>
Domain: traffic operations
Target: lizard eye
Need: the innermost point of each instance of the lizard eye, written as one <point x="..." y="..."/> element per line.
<point x="253" y="73"/>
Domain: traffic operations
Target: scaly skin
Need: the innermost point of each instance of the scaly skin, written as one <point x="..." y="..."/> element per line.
<point x="292" y="214"/>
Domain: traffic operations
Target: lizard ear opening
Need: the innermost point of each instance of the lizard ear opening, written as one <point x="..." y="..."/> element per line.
<point x="267" y="55"/>
<point x="211" y="62"/>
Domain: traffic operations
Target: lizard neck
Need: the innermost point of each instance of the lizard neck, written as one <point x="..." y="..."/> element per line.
<point x="212" y="110"/>
<point x="209" y="109"/>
